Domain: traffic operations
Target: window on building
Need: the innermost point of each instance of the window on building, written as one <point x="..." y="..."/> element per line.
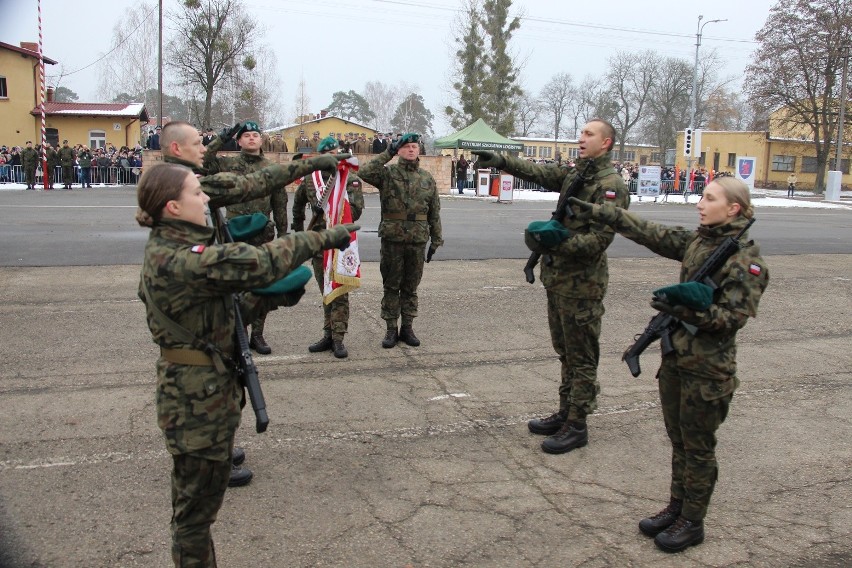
<point x="573" y="153"/>
<point x="3" y="92"/>
<point x="732" y="160"/>
<point x="657" y="157"/>
<point x="545" y="152"/>
<point x="809" y="165"/>
<point x="97" y="139"/>
<point x="844" y="166"/>
<point x="783" y="163"/>
<point x="702" y="159"/>
<point x="628" y="156"/>
<point x="529" y="151"/>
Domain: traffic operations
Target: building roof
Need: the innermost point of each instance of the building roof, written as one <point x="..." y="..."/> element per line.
<point x="30" y="53"/>
<point x="317" y="121"/>
<point x="94" y="109"/>
<point x="478" y="136"/>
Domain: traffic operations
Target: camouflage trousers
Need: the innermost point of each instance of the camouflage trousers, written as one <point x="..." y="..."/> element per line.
<point x="693" y="409"/>
<point x="67" y="175"/>
<point x="31" y="176"/>
<point x="198" y="489"/>
<point x="401" y="265"/>
<point x="335" y="314"/>
<point x="575" y="326"/>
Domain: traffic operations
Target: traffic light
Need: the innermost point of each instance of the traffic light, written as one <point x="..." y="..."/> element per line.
<point x="688" y="142"/>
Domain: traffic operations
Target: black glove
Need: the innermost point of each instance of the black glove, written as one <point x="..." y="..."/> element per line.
<point x="338" y="237"/>
<point x="327" y="162"/>
<point x="393" y="147"/>
<point x="432" y="249"/>
<point x="229" y="135"/>
<point x="317" y="209"/>
<point x="607" y="214"/>
<point x="489" y="159"/>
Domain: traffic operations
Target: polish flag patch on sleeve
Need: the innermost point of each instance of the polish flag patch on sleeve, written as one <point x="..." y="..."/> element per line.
<point x="754" y="269"/>
<point x="610" y="194"/>
<point x="198" y="249"/>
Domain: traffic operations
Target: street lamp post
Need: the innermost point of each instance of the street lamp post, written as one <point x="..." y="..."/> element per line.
<point x="698" y="31"/>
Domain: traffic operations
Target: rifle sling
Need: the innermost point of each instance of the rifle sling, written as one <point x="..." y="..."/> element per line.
<point x="182" y="334"/>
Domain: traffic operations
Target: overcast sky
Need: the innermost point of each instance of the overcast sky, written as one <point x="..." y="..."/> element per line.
<point x="338" y="45"/>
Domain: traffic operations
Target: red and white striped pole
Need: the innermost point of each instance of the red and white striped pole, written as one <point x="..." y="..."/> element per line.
<point x="43" y="89"/>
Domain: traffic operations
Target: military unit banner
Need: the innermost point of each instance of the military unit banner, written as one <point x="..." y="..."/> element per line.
<point x="341" y="268"/>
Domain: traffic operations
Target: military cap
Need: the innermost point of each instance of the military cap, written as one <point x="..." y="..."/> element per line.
<point x="290" y="283"/>
<point x="327" y="144"/>
<point x="695" y="295"/>
<point x="245" y="227"/>
<point x="248" y="126"/>
<point x="408" y="138"/>
<point x="547" y="233"/>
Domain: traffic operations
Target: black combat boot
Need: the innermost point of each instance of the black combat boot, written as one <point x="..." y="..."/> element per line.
<point x="323" y="344"/>
<point x="652" y="526"/>
<point x="258" y="343"/>
<point x="548" y="426"/>
<point x="238" y="456"/>
<point x="239" y="476"/>
<point x="682" y="534"/>
<point x="406" y="335"/>
<point x="570" y="436"/>
<point x="340" y="350"/>
<point x="391" y="339"/>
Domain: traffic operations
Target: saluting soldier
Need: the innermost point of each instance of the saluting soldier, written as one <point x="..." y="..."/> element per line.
<point x="575" y="275"/>
<point x="336" y="314"/>
<point x="302" y="144"/>
<point x="67" y="155"/>
<point x="250" y="160"/>
<point x="410" y="218"/>
<point x="187" y="285"/>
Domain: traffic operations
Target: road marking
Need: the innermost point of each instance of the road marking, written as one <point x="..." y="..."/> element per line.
<point x="451" y="395"/>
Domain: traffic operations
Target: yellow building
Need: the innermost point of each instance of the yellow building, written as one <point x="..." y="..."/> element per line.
<point x="787" y="147"/>
<point x="92" y="124"/>
<point x="546" y="149"/>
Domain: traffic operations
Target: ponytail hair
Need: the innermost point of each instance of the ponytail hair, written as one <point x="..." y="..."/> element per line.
<point x="736" y="191"/>
<point x="159" y="184"/>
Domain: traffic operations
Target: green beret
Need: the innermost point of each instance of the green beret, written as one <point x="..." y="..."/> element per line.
<point x="548" y="233"/>
<point x="248" y="126"/>
<point x="695" y="295"/>
<point x="327" y="144"/>
<point x="244" y="227"/>
<point x="293" y="281"/>
<point x="409" y="137"/>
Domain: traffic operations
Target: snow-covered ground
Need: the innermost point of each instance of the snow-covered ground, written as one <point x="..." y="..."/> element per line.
<point x="762" y="198"/>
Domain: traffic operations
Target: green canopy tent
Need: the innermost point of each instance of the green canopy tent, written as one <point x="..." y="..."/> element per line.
<point x="478" y="136"/>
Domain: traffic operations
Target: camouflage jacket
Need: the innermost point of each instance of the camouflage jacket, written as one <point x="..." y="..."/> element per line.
<point x="405" y="189"/>
<point x="67" y="156"/>
<point x="577" y="268"/>
<point x="275" y="204"/>
<point x="711" y="352"/>
<point x="306" y="194"/>
<point x="29" y="158"/>
<point x="191" y="280"/>
<point x="52" y="158"/>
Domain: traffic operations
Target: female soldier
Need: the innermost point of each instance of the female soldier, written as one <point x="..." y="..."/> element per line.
<point x="697" y="380"/>
<point x="186" y="284"/>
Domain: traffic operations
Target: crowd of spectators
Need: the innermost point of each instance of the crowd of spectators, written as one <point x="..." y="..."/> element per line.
<point x="103" y="166"/>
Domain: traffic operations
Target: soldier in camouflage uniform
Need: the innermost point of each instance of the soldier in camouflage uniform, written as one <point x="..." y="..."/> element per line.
<point x="698" y="379"/>
<point x="336" y="314"/>
<point x="575" y="275"/>
<point x="52" y="162"/>
<point x="251" y="159"/>
<point x="181" y="144"/>
<point x="67" y="155"/>
<point x="410" y="217"/>
<point x="29" y="159"/>
<point x="186" y="285"/>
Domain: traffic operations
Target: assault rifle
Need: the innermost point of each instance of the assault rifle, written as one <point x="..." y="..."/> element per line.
<point x="663" y="325"/>
<point x="319" y="208"/>
<point x="562" y="211"/>
<point x="245" y="363"/>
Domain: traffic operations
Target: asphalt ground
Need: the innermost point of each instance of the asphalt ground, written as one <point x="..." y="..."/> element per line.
<point x="420" y="457"/>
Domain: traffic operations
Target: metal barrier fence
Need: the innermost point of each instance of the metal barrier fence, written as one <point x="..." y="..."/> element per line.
<point x="97" y="175"/>
<point x="667" y="187"/>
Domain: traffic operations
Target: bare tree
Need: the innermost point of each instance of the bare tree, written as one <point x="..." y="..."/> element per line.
<point x="302" y="109"/>
<point x="594" y="100"/>
<point x="555" y="98"/>
<point x="210" y="37"/>
<point x="256" y="90"/>
<point x="132" y="38"/>
<point x="803" y="47"/>
<point x="669" y="103"/>
<point x="384" y="100"/>
<point x="630" y="79"/>
<point x="528" y="113"/>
